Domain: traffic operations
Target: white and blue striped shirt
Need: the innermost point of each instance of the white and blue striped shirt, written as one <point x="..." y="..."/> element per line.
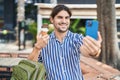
<point x="62" y="60"/>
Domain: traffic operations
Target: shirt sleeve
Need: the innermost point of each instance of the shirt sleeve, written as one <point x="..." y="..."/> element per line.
<point x="78" y="40"/>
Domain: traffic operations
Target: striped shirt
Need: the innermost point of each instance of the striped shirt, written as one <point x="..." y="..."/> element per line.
<point x="62" y="60"/>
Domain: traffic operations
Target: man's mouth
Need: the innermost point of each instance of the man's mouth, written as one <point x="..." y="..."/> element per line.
<point x="63" y="24"/>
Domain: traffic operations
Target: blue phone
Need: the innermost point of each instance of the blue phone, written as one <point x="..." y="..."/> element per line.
<point x="92" y="28"/>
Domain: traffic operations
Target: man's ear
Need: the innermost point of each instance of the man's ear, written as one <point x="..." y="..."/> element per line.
<point x="51" y="19"/>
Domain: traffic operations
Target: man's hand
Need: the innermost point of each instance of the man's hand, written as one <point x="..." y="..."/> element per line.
<point x="42" y="41"/>
<point x="91" y="47"/>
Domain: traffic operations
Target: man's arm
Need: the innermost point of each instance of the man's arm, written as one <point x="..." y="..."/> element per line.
<point x="35" y="53"/>
<point x="91" y="47"/>
<point x="40" y="43"/>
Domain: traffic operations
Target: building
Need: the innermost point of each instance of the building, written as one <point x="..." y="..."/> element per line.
<point x="9" y="14"/>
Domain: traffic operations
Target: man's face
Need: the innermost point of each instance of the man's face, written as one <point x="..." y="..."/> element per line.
<point x="61" y="21"/>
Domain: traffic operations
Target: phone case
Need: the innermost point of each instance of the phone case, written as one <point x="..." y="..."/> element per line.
<point x="92" y="28"/>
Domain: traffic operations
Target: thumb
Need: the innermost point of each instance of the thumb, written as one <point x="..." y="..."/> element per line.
<point x="99" y="37"/>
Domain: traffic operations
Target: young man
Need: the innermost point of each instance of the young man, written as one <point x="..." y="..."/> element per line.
<point x="61" y="49"/>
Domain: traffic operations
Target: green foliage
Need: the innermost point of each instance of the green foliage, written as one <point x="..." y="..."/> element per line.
<point x="32" y="27"/>
<point x="74" y="24"/>
<point x="82" y="30"/>
<point x="74" y="27"/>
<point x="46" y="21"/>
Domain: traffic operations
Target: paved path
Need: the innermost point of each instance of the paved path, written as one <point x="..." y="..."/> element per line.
<point x="91" y="68"/>
<point x="13" y="48"/>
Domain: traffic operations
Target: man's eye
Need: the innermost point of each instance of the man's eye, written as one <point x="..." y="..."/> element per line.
<point x="60" y="17"/>
<point x="67" y="17"/>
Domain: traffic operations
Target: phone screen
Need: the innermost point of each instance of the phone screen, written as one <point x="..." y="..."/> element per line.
<point x="92" y="28"/>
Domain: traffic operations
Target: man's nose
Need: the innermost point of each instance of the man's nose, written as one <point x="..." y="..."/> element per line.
<point x="64" y="20"/>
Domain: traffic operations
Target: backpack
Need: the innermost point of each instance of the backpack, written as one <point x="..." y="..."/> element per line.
<point x="28" y="70"/>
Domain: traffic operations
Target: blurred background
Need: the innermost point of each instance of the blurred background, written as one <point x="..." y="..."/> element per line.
<point x="21" y="20"/>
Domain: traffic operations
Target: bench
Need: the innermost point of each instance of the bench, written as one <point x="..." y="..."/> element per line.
<point x="96" y="70"/>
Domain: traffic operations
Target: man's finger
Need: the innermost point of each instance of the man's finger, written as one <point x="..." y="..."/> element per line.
<point x="99" y="37"/>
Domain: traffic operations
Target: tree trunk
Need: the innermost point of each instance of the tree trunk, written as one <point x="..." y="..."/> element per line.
<point x="100" y="5"/>
<point x="107" y="22"/>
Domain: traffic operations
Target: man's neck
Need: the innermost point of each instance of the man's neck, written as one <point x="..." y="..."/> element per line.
<point x="60" y="36"/>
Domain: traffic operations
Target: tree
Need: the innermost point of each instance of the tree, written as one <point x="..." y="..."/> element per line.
<point x="107" y="26"/>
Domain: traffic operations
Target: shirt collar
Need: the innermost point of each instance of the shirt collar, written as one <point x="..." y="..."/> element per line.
<point x="52" y="35"/>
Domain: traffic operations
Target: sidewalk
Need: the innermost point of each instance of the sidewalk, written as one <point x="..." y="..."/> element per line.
<point x="13" y="48"/>
<point x="91" y="68"/>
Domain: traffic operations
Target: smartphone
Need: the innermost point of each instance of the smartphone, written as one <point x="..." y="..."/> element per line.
<point x="92" y="28"/>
